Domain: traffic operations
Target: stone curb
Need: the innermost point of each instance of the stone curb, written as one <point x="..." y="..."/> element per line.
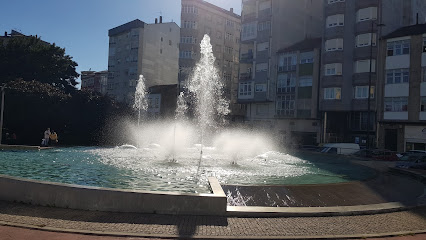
<point x="126" y="234"/>
<point x="317" y="211"/>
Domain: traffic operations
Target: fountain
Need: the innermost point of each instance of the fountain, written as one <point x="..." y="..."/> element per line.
<point x="140" y="104"/>
<point x="180" y="154"/>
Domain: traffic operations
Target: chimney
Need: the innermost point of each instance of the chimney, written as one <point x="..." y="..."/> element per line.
<point x="417" y="19"/>
<point x="231" y="10"/>
<point x="5" y="34"/>
<point x="156" y="20"/>
<point x="161" y="19"/>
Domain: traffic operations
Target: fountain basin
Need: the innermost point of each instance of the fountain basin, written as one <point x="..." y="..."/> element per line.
<point x="114" y="200"/>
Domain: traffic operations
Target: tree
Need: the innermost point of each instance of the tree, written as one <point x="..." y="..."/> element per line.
<point x="29" y="58"/>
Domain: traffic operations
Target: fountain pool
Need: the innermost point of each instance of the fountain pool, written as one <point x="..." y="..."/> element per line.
<point x="149" y="169"/>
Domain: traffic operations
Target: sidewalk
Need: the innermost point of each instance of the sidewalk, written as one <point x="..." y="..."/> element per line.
<point x="171" y="226"/>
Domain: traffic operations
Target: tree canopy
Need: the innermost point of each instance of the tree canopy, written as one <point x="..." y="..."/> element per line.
<point x="29" y="58"/>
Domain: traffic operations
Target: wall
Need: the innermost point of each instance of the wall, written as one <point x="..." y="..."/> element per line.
<point x="115" y="200"/>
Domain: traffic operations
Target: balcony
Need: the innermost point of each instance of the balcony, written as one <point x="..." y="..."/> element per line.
<point x="246" y="58"/>
<point x="366" y="3"/>
<point x="249" y="17"/>
<point x="334" y="32"/>
<point x="333" y="57"/>
<point x="245" y="76"/>
<point x="288" y="68"/>
<point x="335" y="8"/>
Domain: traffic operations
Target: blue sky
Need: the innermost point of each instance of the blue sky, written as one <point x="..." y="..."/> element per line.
<point x="81" y="26"/>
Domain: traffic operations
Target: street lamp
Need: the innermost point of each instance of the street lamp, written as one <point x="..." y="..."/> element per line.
<point x="369" y="76"/>
<point x="1" y="113"/>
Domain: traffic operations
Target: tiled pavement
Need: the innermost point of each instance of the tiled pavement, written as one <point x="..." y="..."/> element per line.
<point x="151" y="225"/>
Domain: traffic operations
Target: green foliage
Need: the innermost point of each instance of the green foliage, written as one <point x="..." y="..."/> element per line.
<point x="29" y="58"/>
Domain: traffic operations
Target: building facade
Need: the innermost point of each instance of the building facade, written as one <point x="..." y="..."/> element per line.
<point x="402" y="105"/>
<point x="269" y="27"/>
<point x="349" y="62"/>
<point x="137" y="48"/>
<point x="94" y="81"/>
<point x="199" y="17"/>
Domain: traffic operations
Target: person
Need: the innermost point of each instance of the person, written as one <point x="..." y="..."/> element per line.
<point x="46" y="137"/>
<point x="53" y="138"/>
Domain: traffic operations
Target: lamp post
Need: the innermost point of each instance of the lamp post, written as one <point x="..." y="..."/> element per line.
<point x="369" y="77"/>
<point x="1" y="113"/>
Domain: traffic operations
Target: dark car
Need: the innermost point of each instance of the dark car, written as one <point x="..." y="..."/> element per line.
<point x="377" y="154"/>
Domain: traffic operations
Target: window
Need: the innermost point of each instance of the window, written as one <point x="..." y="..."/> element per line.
<point x="261" y="67"/>
<point x="361" y="92"/>
<point x="335" y="20"/>
<point x="396" y="104"/>
<point x="363" y="40"/>
<point x="359" y="121"/>
<point x="264" y="5"/>
<point x="228" y="36"/>
<point x="365" y="14"/>
<point x="245" y="89"/>
<point x="424" y="44"/>
<point x="333" y="69"/>
<point x="285" y="105"/>
<point x="260" y="87"/>
<point x="188" y="39"/>
<point x="227" y="77"/>
<point x="396" y="76"/>
<point x="398" y="48"/>
<point x="306" y="57"/>
<point x="286" y="83"/>
<point x="190" y="24"/>
<point x="170" y="42"/>
<point x="287" y="62"/>
<point x="262" y="46"/>
<point x="262" y="26"/>
<point x="185" y="54"/>
<point x="423" y="74"/>
<point x="228" y="50"/>
<point x="334" y="44"/>
<point x="189" y="9"/>
<point x="334" y="1"/>
<point x="249" y="31"/>
<point x="423" y="104"/>
<point x="363" y="66"/>
<point x="229" y="23"/>
<point x="305" y="81"/>
<point x="332" y="93"/>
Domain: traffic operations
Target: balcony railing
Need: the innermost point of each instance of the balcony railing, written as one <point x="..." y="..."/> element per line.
<point x="287" y="68"/>
<point x="245" y="76"/>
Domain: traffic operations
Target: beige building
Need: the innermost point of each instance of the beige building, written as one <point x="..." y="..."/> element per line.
<point x="402" y="90"/>
<point x="137" y="48"/>
<point x="198" y="18"/>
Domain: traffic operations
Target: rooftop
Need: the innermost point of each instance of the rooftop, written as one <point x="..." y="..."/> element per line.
<point x="126" y="27"/>
<point x="215" y="7"/>
<point x="407" y="31"/>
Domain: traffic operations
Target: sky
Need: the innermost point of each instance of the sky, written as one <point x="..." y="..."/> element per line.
<point x="81" y="26"/>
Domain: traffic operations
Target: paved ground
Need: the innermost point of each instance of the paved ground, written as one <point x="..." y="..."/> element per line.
<point x="150" y="225"/>
<point x="14" y="233"/>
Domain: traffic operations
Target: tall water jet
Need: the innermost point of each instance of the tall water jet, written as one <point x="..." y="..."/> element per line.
<point x="182" y="107"/>
<point x="206" y="87"/>
<point x="141" y="103"/>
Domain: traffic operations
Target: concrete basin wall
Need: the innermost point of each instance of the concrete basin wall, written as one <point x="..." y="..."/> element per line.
<point x="115" y="200"/>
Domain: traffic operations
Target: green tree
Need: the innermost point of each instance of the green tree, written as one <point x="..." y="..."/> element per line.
<point x="29" y="58"/>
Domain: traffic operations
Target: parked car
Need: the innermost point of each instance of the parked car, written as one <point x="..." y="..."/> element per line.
<point x="413" y="161"/>
<point x="377" y="154"/>
<point x="405" y="156"/>
<point x="340" y="148"/>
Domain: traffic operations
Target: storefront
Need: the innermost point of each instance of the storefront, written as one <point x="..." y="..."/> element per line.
<point x="415" y="138"/>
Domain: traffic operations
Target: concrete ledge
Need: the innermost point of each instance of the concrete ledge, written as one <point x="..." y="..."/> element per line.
<point x="22" y="147"/>
<point x="104" y="199"/>
<point x="238" y="211"/>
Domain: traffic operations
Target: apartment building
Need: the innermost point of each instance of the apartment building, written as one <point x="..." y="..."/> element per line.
<point x="199" y="17"/>
<point x="270" y="30"/>
<point x="349" y="62"/>
<point x="402" y="90"/>
<point x="94" y="81"/>
<point x="137" y="48"/>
